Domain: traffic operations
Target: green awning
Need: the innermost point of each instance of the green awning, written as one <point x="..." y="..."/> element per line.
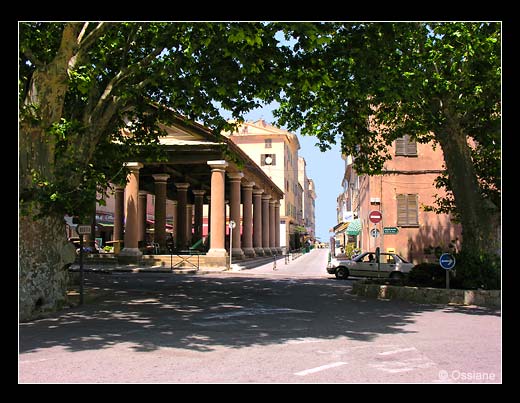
<point x="354" y="228"/>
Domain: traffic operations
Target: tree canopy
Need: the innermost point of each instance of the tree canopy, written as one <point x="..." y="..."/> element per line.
<point x="81" y="83"/>
<point x="368" y="84"/>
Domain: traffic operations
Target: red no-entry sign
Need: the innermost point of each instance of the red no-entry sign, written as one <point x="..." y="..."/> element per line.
<point x="375" y="216"/>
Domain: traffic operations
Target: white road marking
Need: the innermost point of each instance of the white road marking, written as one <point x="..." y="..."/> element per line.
<point x="318" y="369"/>
<point x="401" y="350"/>
<point x="304" y="340"/>
<point x="253" y="311"/>
<point x="32" y="361"/>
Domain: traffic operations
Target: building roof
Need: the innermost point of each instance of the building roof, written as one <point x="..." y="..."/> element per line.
<point x="262" y="128"/>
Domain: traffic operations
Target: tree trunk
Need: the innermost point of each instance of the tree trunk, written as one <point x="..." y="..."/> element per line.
<point x="477" y="216"/>
<point x="44" y="257"/>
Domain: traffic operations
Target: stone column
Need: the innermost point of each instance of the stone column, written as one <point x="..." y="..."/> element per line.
<point x="182" y="199"/>
<point x="131" y="250"/>
<point x="247" y="219"/>
<point x="218" y="219"/>
<point x="272" y="228"/>
<point x="199" y="206"/>
<point x="265" y="224"/>
<point x="175" y="220"/>
<point x="189" y="225"/>
<point x="159" y="228"/>
<point x="119" y="214"/>
<point x="257" y="222"/>
<point x="277" y="227"/>
<point x="209" y="214"/>
<point x="234" y="213"/>
<point x="141" y="213"/>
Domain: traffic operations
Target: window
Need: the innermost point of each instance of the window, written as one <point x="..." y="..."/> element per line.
<point x="405" y="146"/>
<point x="268" y="159"/>
<point x="268" y="143"/>
<point x="407" y="210"/>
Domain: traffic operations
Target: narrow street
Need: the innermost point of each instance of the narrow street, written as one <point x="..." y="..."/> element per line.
<point x="295" y="324"/>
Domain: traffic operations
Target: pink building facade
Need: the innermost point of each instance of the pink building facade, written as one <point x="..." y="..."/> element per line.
<point x="401" y="194"/>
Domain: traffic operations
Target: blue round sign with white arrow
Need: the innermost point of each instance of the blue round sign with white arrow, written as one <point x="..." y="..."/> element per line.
<point x="447" y="261"/>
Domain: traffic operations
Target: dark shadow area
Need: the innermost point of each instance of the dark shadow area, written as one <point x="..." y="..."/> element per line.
<point x="198" y="313"/>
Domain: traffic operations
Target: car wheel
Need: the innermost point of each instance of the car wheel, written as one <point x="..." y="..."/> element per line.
<point x="342" y="273"/>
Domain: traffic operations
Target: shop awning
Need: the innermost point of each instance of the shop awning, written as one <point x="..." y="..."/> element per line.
<point x="354" y="227"/>
<point x="341" y="227"/>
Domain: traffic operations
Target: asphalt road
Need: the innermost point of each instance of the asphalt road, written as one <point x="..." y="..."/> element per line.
<point x="295" y="324"/>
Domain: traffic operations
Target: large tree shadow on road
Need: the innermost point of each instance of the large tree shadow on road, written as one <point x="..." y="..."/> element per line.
<point x="201" y="313"/>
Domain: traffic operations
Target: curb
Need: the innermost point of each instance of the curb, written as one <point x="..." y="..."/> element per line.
<point x="484" y="298"/>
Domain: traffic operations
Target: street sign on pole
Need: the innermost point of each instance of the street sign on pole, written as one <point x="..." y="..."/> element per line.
<point x="375" y="216"/>
<point x="83" y="229"/>
<point x="374" y="232"/>
<point x="447" y="262"/>
<point x="390" y="230"/>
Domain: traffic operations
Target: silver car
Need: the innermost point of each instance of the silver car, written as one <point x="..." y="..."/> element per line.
<point x="364" y="265"/>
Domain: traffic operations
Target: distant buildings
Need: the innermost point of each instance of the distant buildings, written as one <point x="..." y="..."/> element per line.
<point x="276" y="151"/>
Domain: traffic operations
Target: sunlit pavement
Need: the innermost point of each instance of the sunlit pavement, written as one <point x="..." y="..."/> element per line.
<point x="256" y="326"/>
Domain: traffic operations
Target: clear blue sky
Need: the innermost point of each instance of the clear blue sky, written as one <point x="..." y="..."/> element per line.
<point x="326" y="169"/>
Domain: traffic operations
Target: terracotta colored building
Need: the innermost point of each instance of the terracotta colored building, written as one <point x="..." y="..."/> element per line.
<point x="275" y="151"/>
<point x="400" y="195"/>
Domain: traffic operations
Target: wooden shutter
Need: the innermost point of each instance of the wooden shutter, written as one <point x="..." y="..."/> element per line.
<point x="412" y="207"/>
<point x="402" y="216"/>
<point x="411" y="146"/>
<point x="407" y="210"/>
<point x="400" y="146"/>
<point x="405" y="146"/>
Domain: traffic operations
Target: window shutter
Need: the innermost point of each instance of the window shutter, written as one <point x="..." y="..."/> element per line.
<point x="402" y="216"/>
<point x="405" y="146"/>
<point x="400" y="146"/>
<point x="407" y="210"/>
<point x="411" y="146"/>
<point x="413" y="213"/>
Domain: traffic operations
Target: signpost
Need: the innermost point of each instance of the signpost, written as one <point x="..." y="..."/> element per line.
<point x="374" y="232"/>
<point x="232" y="224"/>
<point x="81" y="230"/>
<point x="447" y="262"/>
<point x="375" y="216"/>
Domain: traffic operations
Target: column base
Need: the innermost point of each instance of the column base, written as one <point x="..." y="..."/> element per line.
<point x="259" y="251"/>
<point x="237" y="253"/>
<point x="249" y="252"/>
<point x="267" y="252"/>
<point x="130" y="255"/>
<point x="215" y="252"/>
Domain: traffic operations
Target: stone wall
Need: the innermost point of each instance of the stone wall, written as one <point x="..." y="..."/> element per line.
<point x="488" y="298"/>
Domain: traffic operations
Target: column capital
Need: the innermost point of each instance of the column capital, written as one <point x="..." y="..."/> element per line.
<point x="133" y="166"/>
<point x="248" y="185"/>
<point x="160" y="177"/>
<point x="182" y="186"/>
<point x="235" y="176"/>
<point x="198" y="192"/>
<point x="266" y="197"/>
<point x="143" y="193"/>
<point x="258" y="191"/>
<point x="220" y="165"/>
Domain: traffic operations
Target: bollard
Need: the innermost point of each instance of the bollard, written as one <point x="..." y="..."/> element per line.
<point x="274" y="262"/>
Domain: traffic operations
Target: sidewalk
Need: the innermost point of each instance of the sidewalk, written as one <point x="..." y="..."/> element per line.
<point x="113" y="266"/>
